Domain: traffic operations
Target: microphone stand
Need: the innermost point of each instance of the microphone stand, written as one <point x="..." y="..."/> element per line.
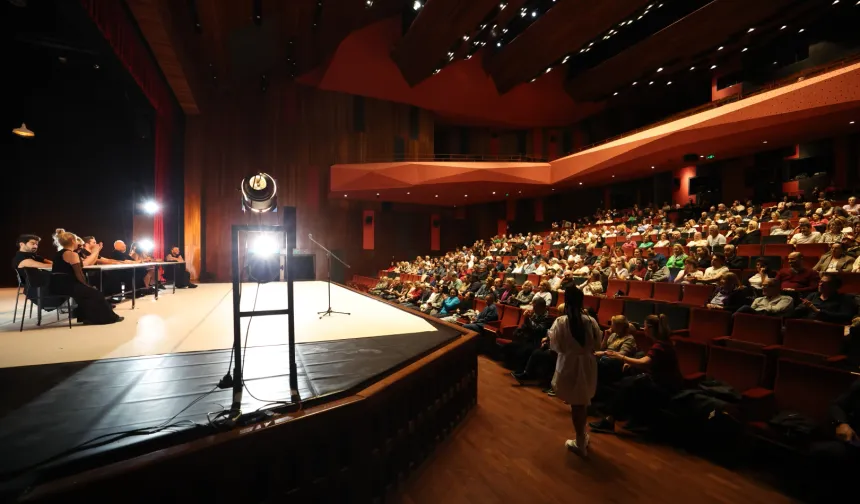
<point x="329" y="255"/>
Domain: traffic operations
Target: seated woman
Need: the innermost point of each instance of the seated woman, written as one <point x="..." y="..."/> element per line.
<point x="676" y="260"/>
<point x="68" y="280"/>
<point x="640" y="397"/>
<point x="525" y="295"/>
<point x="703" y="256"/>
<point x="690" y="273"/>
<point x="730" y="295"/>
<point x="139" y="255"/>
<point x="592" y="287"/>
<point x="663" y="241"/>
<point x="449" y="304"/>
<point x="618" y="338"/>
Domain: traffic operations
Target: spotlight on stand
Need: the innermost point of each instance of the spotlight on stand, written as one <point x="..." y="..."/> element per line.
<point x="259" y="193"/>
<point x="264" y="264"/>
<point x="145" y="245"/>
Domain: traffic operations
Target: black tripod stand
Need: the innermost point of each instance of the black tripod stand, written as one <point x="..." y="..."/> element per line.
<point x="329" y="255"/>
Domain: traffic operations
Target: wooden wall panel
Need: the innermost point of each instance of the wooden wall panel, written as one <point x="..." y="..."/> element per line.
<point x="295" y="134"/>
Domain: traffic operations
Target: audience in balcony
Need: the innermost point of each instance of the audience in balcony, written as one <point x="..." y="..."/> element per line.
<point x="772" y="303"/>
<point x="797" y="278"/>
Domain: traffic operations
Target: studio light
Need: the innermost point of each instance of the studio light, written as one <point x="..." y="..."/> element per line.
<point x="23" y="131"/>
<point x="151" y="207"/>
<point x="416" y="5"/>
<point x="263" y="259"/>
<point x="145" y="245"/>
<point x="259" y="193"/>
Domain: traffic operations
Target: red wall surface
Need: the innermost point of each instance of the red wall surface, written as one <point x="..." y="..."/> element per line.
<point x="367" y="230"/>
<point x="681" y="195"/>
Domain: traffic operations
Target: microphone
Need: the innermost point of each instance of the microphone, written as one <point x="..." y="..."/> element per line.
<point x="310" y="236"/>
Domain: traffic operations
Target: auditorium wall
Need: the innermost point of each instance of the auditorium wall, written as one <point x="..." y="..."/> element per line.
<point x="295" y="133"/>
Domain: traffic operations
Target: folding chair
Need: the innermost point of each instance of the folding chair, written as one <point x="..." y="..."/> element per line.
<point x="39" y="281"/>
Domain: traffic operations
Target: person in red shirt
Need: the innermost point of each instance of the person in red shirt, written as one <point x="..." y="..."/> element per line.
<point x="797" y="278"/>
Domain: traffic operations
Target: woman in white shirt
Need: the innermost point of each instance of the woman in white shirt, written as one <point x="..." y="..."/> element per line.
<point x="761" y="272"/>
<point x="690" y="273"/>
<point x="784" y="228"/>
<point x="697" y="241"/>
<point x="663" y="241"/>
<point x="593" y="287"/>
<point x="617" y="269"/>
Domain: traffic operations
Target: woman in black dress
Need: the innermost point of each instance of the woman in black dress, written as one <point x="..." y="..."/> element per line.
<point x="92" y="306"/>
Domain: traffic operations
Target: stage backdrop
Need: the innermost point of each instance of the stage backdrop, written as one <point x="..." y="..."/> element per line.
<point x="296" y="133"/>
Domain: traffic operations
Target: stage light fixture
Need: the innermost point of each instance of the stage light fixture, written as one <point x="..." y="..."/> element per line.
<point x="23" y="131"/>
<point x="151" y="207"/>
<point x="145" y="245"/>
<point x="416" y="5"/>
<point x="259" y="193"/>
<point x="263" y="260"/>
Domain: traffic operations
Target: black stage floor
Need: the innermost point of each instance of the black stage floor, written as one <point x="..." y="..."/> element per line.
<point x="48" y="411"/>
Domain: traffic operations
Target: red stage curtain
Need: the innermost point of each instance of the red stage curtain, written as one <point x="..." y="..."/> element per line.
<point x="113" y="21"/>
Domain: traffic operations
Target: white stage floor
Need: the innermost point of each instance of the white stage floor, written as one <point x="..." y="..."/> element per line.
<point x="198" y="319"/>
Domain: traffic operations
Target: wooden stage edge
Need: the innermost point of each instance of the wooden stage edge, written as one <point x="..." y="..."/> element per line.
<point x="352" y="449"/>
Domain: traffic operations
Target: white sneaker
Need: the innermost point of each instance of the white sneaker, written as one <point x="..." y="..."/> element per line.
<point x="582" y="451"/>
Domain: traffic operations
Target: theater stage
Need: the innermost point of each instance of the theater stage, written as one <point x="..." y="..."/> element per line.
<point x="63" y="387"/>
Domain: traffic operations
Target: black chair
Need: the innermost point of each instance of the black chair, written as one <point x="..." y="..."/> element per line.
<point x="678" y="315"/>
<point x="636" y="311"/>
<point x="22" y="291"/>
<point x="774" y="239"/>
<point x="39" y="281"/>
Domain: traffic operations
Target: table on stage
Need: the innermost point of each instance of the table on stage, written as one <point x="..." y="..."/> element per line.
<point x="101" y="268"/>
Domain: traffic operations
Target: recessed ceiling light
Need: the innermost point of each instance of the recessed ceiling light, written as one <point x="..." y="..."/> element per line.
<point x="437" y="195"/>
<point x="669" y="83"/>
<point x="852" y="122"/>
<point x="494" y="192"/>
<point x="660" y="69"/>
<point x="783" y="27"/>
<point x="800" y="30"/>
<point x="498" y="44"/>
<point x="835" y="2"/>
<point x="377" y="194"/>
<point x="720" y="48"/>
<point x="751" y="30"/>
<point x="416" y="5"/>
<point x="713" y="67"/>
<point x="765" y="141"/>
<point x="745" y="49"/>
<point x="652" y="167"/>
<point x="548" y="70"/>
<point x="344" y="195"/>
<point x="534" y="13"/>
<point x="613" y="176"/>
<point x="408" y="193"/>
<point x="615" y="93"/>
<point x="692" y="68"/>
<point x="465" y="195"/>
<point x="652" y="82"/>
<point x="580" y="183"/>
<point x="519" y="192"/>
<point x="634" y="83"/>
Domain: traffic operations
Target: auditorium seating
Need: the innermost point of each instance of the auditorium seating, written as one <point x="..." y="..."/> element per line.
<point x="609" y="307"/>
<point x="753" y="332"/>
<point x="697" y="294"/>
<point x="667" y="292"/>
<point x="778" y="250"/>
<point x="640" y="290"/>
<point x="636" y="310"/>
<point x="705" y="325"/>
<point x="814" y="337"/>
<point x="614" y="286"/>
<point x="812" y="249"/>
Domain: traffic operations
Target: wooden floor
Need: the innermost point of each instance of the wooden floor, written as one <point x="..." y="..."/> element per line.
<point x="510" y="449"/>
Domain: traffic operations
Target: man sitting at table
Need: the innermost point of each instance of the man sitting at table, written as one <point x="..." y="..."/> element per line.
<point x="178" y="274"/>
<point x="90" y="253"/>
<point x="120" y="256"/>
<point x="26" y="257"/>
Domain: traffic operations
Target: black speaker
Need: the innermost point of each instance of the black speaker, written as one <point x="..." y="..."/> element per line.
<point x="677" y="183"/>
<point x="387" y="206"/>
<point x="358" y="114"/>
<point x="435" y="223"/>
<point x="691" y="158"/>
<point x="304" y="267"/>
<point x="368" y="220"/>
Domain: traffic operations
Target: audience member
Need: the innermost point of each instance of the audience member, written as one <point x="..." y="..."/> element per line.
<point x="729" y="295"/>
<point x="797" y="278"/>
<point x="772" y="302"/>
<point x="828" y="304"/>
<point x="178" y="274"/>
<point x="640" y="396"/>
<point x="618" y="338"/>
<point x="655" y="272"/>
<point x="527" y="338"/>
<point x="689" y="274"/>
<point x="805" y="234"/>
<point x="489" y="314"/>
<point x="835" y="261"/>
<point x="762" y="272"/>
<point x="678" y="257"/>
<point x="714" y="273"/>
<point x="732" y="260"/>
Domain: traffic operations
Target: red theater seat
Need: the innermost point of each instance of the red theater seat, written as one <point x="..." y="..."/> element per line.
<point x="662" y="250"/>
<point x="778" y="249"/>
<point x="640" y="290"/>
<point x="812" y="249"/>
<point x="753" y="332"/>
<point x="705" y="325"/>
<point x="609" y="307"/>
<point x="534" y="279"/>
<point x="742" y="370"/>
<point x="814" y="337"/>
<point x="591" y="303"/>
<point x="667" y="292"/>
<point x="749" y="250"/>
<point x="850" y="282"/>
<point x="697" y="294"/>
<point x="509" y="319"/>
<point x="691" y="358"/>
<point x="615" y="285"/>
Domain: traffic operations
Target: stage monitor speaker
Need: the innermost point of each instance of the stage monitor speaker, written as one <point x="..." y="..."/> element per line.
<point x="304" y="267"/>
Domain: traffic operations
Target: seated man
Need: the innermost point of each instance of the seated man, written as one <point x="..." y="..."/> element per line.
<point x="90" y="252"/>
<point x="178" y="274"/>
<point x="733" y="261"/>
<point x="714" y="273"/>
<point x="805" y="234"/>
<point x="655" y="272"/>
<point x="772" y="303"/>
<point x="527" y="338"/>
<point x="26" y="257"/>
<point x="828" y="304"/>
<point x="797" y="278"/>
<point x="835" y="261"/>
<point x="488" y="314"/>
